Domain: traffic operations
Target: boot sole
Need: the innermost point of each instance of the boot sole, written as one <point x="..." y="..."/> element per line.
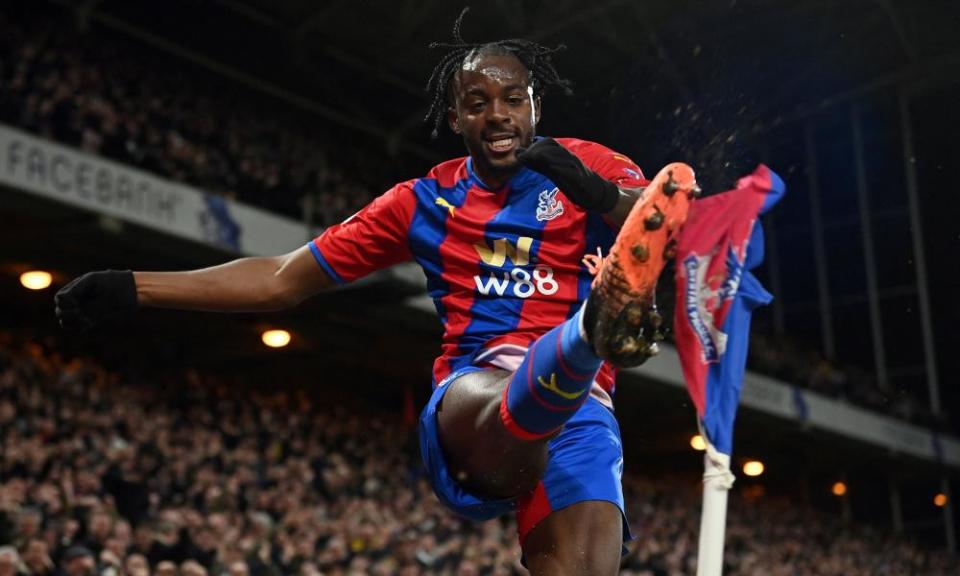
<point x="621" y="304"/>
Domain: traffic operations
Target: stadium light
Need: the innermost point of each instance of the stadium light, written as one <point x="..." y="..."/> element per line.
<point x="697" y="443"/>
<point x="36" y="279"/>
<point x="276" y="338"/>
<point x="839" y="489"/>
<point x="940" y="500"/>
<point x="753" y="468"/>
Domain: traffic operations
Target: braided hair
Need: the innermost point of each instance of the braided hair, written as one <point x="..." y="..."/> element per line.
<point x="535" y="57"/>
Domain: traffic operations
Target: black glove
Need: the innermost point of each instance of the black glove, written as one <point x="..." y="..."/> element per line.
<point x="582" y="185"/>
<point x="95" y="298"/>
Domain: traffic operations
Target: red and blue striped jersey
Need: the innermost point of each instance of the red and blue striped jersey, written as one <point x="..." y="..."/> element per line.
<point x="502" y="266"/>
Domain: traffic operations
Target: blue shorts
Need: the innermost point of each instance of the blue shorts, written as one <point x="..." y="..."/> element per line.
<point x="586" y="463"/>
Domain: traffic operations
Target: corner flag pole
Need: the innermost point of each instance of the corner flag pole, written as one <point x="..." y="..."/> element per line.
<point x="717" y="481"/>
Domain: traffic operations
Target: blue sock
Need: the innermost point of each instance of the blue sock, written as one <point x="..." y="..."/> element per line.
<point x="553" y="380"/>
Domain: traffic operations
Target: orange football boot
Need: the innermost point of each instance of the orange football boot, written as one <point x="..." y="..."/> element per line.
<point x="621" y="318"/>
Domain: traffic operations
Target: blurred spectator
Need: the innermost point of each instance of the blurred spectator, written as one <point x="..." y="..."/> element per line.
<point x="79" y="561"/>
<point x="36" y="558"/>
<point x="136" y="565"/>
<point x="9" y="561"/>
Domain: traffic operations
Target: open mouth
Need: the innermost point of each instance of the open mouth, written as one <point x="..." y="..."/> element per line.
<point x="502" y="145"/>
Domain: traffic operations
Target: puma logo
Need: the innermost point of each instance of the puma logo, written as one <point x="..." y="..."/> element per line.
<point x="444" y="204"/>
<point x="552" y="386"/>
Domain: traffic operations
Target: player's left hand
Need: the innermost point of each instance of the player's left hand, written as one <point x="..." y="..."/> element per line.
<point x="583" y="186"/>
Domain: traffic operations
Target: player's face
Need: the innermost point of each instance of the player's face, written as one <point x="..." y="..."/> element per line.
<point x="496" y="113"/>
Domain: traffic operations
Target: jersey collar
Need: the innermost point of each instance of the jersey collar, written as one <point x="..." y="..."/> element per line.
<point x="518" y="182"/>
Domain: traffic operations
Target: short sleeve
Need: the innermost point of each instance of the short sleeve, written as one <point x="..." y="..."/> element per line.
<point x="372" y="239"/>
<point x="614" y="167"/>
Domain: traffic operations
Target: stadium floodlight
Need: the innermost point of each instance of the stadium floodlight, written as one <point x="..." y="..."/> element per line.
<point x="276" y="338"/>
<point x="697" y="443"/>
<point x="36" y="279"/>
<point x="940" y="500"/>
<point x="839" y="489"/>
<point x="753" y="468"/>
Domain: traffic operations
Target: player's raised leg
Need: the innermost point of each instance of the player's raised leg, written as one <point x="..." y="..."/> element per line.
<point x="494" y="425"/>
<point x="565" y="488"/>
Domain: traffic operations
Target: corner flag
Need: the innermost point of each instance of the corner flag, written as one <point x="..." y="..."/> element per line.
<point x="720" y="243"/>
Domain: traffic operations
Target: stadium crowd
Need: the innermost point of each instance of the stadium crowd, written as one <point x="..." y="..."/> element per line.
<point x="134" y="106"/>
<point x="193" y="476"/>
<point x="114" y="99"/>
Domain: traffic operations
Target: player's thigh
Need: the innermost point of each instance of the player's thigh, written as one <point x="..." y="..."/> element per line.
<point x="482" y="455"/>
<point x="585" y="539"/>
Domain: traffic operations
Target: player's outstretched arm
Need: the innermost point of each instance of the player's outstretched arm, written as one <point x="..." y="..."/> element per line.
<point x="244" y="285"/>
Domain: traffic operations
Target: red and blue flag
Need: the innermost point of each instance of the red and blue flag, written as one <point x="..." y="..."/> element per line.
<point x="720" y="243"/>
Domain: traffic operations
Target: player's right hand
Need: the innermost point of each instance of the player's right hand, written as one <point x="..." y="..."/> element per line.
<point x="583" y="186"/>
<point x="95" y="298"/>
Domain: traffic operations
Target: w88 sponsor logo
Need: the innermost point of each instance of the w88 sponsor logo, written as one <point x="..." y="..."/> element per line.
<point x="517" y="280"/>
<point x="524" y="284"/>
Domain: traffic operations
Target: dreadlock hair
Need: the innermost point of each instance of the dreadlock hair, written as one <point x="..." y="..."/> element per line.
<point x="535" y="57"/>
